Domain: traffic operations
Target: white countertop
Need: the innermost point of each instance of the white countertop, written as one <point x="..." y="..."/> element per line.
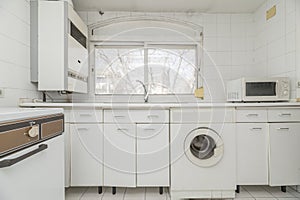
<point x="157" y="105"/>
<point x="14" y="113"/>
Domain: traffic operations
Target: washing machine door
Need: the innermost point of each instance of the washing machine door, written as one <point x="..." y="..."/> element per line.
<point x="204" y="147"/>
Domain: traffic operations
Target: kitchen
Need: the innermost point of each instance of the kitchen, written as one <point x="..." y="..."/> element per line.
<point x="160" y="100"/>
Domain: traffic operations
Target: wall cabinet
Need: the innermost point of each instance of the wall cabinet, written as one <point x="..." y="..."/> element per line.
<point x="86" y="154"/>
<point x="252" y="154"/>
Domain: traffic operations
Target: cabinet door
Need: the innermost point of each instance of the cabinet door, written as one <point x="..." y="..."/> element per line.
<point x="120" y="155"/>
<point x="40" y="176"/>
<point x="86" y="154"/>
<point x="153" y="155"/>
<point x="252" y="154"/>
<point x="67" y="143"/>
<point x="284" y="154"/>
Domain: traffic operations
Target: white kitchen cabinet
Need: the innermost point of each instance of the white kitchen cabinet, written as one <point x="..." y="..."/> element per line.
<point x="252" y="153"/>
<point x="120" y="155"/>
<point x="86" y="154"/>
<point x="284" y="154"/>
<point x="67" y="144"/>
<point x="152" y="155"/>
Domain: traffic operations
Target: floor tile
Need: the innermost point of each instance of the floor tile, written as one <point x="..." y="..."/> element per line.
<point x="153" y="194"/>
<point x="75" y="193"/>
<point x="118" y="196"/>
<point x="276" y="192"/>
<point x="258" y="192"/>
<point x="135" y="194"/>
<point x="243" y="193"/>
<point x="92" y="194"/>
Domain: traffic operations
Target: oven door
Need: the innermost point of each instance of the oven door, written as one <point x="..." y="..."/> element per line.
<point x="260" y="91"/>
<point x="35" y="173"/>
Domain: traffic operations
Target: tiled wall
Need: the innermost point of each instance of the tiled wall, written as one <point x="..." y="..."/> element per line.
<point x="275" y="41"/>
<point x="15" y="52"/>
<point x="228" y="45"/>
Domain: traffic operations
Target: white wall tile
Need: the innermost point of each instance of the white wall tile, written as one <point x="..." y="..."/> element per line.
<point x="15" y="52"/>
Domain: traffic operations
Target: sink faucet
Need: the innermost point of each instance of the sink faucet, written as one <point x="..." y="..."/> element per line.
<point x="146" y="94"/>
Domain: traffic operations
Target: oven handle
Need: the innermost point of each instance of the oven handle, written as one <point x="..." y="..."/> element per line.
<point x="11" y="162"/>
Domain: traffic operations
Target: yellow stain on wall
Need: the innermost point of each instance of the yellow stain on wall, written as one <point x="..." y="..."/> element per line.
<point x="271" y="12"/>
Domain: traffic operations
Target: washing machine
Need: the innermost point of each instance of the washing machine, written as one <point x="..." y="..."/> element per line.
<point x="203" y="157"/>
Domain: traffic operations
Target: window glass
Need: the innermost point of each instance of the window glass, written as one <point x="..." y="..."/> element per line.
<point x="165" y="69"/>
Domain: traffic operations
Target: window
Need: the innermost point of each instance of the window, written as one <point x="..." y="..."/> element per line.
<point x="165" y="69"/>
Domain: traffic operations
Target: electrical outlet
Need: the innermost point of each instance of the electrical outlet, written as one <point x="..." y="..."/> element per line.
<point x="1" y="92"/>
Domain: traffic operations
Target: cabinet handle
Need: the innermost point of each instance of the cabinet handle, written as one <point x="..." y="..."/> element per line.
<point x="122" y="129"/>
<point x="285" y="114"/>
<point x="255" y="129"/>
<point x="283" y="129"/>
<point x="152" y="116"/>
<point x="79" y="61"/>
<point x="149" y="129"/>
<point x="11" y="162"/>
<point x="252" y="115"/>
<point x="85" y="115"/>
<point x="119" y="116"/>
<point x="82" y="129"/>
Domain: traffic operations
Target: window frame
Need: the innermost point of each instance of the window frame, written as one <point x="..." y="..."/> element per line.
<point x="146" y="45"/>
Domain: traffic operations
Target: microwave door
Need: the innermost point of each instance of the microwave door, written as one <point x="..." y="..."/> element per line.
<point x="260" y="91"/>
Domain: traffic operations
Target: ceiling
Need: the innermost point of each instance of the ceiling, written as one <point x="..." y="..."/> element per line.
<point x="208" y="6"/>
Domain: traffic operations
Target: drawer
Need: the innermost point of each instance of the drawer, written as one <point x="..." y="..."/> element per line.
<point x="284" y="115"/>
<point x="136" y="116"/>
<point x="86" y="116"/>
<point x="251" y="115"/>
<point x="206" y="115"/>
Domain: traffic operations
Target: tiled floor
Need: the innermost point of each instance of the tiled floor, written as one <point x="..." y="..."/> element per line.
<point x="247" y="193"/>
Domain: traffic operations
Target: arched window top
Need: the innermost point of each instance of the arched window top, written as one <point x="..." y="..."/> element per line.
<point x="145" y="28"/>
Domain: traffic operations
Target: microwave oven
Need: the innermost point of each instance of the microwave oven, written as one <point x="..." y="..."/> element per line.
<point x="258" y="89"/>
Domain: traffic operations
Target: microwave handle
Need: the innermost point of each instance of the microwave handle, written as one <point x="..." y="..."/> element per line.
<point x="11" y="162"/>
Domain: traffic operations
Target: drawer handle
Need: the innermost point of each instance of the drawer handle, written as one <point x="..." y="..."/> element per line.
<point x="252" y="115"/>
<point x="85" y="115"/>
<point x="149" y="129"/>
<point x="256" y="129"/>
<point x="152" y="116"/>
<point x="82" y="129"/>
<point x="119" y="116"/>
<point x="285" y="114"/>
<point x="122" y="129"/>
<point x="11" y="162"/>
<point x="283" y="129"/>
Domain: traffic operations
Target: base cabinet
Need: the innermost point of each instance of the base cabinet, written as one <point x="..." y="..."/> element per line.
<point x="252" y="154"/>
<point x="119" y="155"/>
<point x="153" y="155"/>
<point x="136" y="155"/>
<point x="284" y="154"/>
<point x="86" y="154"/>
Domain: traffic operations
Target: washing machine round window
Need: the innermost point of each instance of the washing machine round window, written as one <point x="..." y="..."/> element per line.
<point x="204" y="147"/>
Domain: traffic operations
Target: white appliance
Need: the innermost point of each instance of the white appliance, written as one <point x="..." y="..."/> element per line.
<point x="31" y="154"/>
<point x="59" y="55"/>
<point x="256" y="89"/>
<point x="203" y="157"/>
